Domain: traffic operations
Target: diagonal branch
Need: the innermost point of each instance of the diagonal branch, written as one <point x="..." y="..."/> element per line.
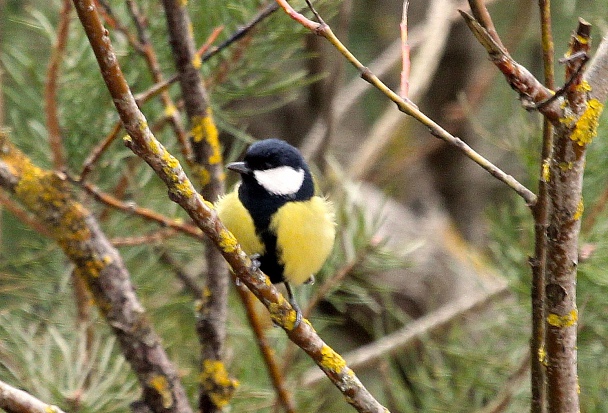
<point x="13" y="400"/>
<point x="144" y="144"/>
<point x="531" y="91"/>
<point x="408" y="108"/>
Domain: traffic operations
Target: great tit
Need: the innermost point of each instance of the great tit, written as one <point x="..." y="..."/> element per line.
<point x="276" y="217"/>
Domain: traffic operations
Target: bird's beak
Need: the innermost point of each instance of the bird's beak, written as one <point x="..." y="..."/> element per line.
<point x="239" y="167"/>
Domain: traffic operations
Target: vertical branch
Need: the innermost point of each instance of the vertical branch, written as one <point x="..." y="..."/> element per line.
<point x="564" y="188"/>
<point x="274" y="369"/>
<point x="50" y="89"/>
<point x="405" y="53"/>
<point x="211" y="323"/>
<point x="541" y="214"/>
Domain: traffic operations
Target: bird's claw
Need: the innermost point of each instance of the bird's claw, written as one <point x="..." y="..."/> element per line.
<point x="255" y="262"/>
<point x="296" y="308"/>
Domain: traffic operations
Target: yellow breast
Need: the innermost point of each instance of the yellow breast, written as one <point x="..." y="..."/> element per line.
<point x="238" y="221"/>
<point x="305" y="236"/>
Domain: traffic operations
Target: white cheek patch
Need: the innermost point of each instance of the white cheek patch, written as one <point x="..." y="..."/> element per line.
<point x="282" y="180"/>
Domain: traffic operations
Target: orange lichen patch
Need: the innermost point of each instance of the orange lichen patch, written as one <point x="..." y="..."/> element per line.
<point x="586" y="126"/>
<point x="161" y="385"/>
<point x="217" y="383"/>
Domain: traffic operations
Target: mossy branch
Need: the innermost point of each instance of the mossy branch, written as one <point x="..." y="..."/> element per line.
<point x="144" y="144"/>
<point x="47" y="195"/>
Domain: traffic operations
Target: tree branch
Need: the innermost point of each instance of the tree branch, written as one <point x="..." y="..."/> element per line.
<point x="13" y="400"/>
<point x="531" y="91"/>
<point x="50" y="89"/>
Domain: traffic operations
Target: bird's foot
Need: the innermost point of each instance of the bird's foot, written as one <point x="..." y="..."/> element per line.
<point x="255" y="262"/>
<point x="296" y="308"/>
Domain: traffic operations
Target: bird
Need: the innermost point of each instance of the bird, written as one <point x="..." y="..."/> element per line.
<point x="280" y="222"/>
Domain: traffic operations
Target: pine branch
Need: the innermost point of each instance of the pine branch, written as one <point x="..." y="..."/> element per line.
<point x="47" y="195"/>
<point x="144" y="144"/>
<point x="13" y="400"/>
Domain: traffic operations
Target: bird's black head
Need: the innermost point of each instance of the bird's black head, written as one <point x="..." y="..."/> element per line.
<point x="272" y="168"/>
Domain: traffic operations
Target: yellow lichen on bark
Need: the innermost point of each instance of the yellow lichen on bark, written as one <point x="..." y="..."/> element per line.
<point x="332" y="361"/>
<point x="280" y="317"/>
<point x="586" y="126"/>
<point x="580" y="208"/>
<point x="563" y="321"/>
<point x="204" y="129"/>
<point x="217" y="383"/>
<point x="228" y="242"/>
<point x="161" y="385"/>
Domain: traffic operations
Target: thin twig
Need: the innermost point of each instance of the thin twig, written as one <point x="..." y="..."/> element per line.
<point x="97" y="151"/>
<point x="241" y="31"/>
<point x="189" y="282"/>
<point x="50" y="89"/>
<point x="147" y="239"/>
<point x="23" y="216"/>
<point x="352" y="92"/>
<point x="538" y="400"/>
<point x="410" y="109"/>
<point x="405" y="53"/>
<point x="481" y="14"/>
<point x="411" y="333"/>
<point x="437" y="27"/>
<point x="268" y="354"/>
<point x="145" y="213"/>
